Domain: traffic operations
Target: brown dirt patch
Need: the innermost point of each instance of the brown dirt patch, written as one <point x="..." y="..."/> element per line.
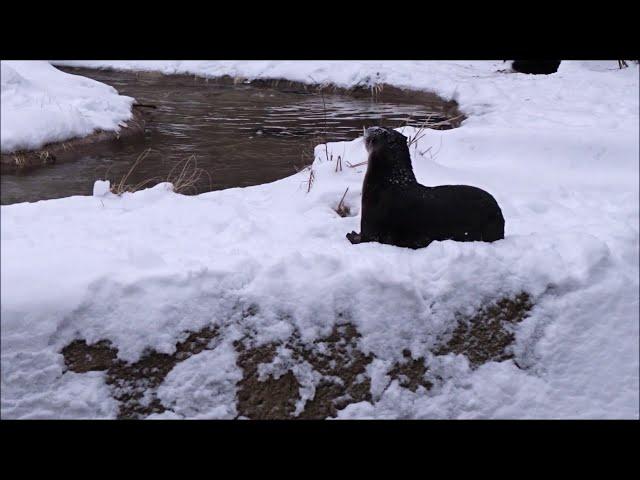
<point x="343" y="368"/>
<point x="410" y="372"/>
<point x="134" y="385"/>
<point x="486" y="336"/>
<point x="80" y="357"/>
<point x="337" y="359"/>
<point x="340" y="363"/>
<point x="271" y="399"/>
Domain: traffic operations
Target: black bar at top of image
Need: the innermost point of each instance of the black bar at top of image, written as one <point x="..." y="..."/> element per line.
<point x="397" y="32"/>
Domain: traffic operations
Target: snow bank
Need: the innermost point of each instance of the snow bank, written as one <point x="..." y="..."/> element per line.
<point x="142" y="268"/>
<point x="41" y="104"/>
<point x="580" y="94"/>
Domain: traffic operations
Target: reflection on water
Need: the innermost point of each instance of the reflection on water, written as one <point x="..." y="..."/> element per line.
<point x="241" y="134"/>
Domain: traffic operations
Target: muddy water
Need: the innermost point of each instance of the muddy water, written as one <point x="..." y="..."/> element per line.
<point x="241" y="134"/>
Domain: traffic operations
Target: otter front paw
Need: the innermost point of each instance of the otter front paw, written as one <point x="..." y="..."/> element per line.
<point x="354" y="237"/>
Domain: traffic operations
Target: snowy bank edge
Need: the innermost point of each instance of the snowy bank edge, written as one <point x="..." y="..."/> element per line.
<point x="43" y="106"/>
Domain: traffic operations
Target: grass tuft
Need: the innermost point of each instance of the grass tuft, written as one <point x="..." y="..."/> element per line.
<point x="20" y="161"/>
<point x="184" y="176"/>
<point x="122" y="186"/>
<point x="429" y="123"/>
<point x="342" y="209"/>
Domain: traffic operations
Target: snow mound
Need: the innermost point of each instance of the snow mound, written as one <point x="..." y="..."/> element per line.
<point x="269" y="267"/>
<point x="41" y="104"/>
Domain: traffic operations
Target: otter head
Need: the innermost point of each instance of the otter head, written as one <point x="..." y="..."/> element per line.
<point x="378" y="138"/>
<point x="389" y="155"/>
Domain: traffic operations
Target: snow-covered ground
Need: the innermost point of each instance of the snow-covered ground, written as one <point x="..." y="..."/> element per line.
<point x="559" y="153"/>
<point x="40" y="104"/>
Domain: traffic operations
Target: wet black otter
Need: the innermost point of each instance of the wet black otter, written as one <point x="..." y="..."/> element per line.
<point x="397" y="210"/>
<point x="536" y="67"/>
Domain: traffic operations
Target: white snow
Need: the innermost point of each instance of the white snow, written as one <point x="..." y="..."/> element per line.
<point x="560" y="155"/>
<point x="40" y="104"/>
<point x="101" y="188"/>
<point x="193" y="389"/>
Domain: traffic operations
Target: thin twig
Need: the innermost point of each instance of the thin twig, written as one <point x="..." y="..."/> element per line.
<point x="312" y="176"/>
<point x="357" y="164"/>
<point x="341" y="204"/>
<point x="119" y="188"/>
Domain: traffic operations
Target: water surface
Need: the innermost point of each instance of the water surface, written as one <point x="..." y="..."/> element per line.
<point x="241" y="134"/>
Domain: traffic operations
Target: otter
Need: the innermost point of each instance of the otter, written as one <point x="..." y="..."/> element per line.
<point x="536" y="67"/>
<point x="397" y="210"/>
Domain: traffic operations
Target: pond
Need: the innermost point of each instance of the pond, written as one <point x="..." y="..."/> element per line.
<point x="239" y="133"/>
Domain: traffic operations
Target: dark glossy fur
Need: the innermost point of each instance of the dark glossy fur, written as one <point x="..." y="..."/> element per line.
<point x="536" y="67"/>
<point x="397" y="210"/>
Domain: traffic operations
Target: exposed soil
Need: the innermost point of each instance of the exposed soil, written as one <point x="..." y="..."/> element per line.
<point x="134" y="384"/>
<point x="270" y="399"/>
<point x="337" y="359"/>
<point x="410" y="373"/>
<point x="342" y="367"/>
<point x="81" y="358"/>
<point x="486" y="336"/>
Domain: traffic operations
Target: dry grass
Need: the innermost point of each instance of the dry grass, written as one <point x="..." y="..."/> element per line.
<point x="432" y="154"/>
<point x="311" y="179"/>
<point x="342" y="209"/>
<point x="312" y="176"/>
<point x="184" y="176"/>
<point x="325" y="128"/>
<point x="122" y="186"/>
<point x="354" y="165"/>
<point x="320" y="91"/>
<point x="20" y="160"/>
<point x="433" y="121"/>
<point x="429" y="124"/>
<point x="307" y="152"/>
<point x="322" y="139"/>
<point x="46" y="157"/>
<point x="377" y="89"/>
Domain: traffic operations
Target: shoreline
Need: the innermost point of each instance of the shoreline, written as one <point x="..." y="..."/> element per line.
<point x="68" y="150"/>
<point x="64" y="151"/>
